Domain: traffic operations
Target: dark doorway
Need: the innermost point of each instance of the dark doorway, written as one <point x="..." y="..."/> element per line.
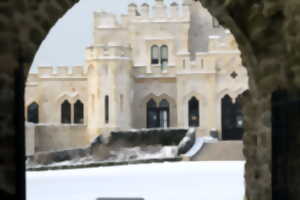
<point x="193" y="112"/>
<point x="78" y="112"/>
<point x="285" y="145"/>
<point x="164" y="114"/>
<point x="232" y="119"/>
<point x="33" y="113"/>
<point x="152" y="114"/>
<point x="66" y="112"/>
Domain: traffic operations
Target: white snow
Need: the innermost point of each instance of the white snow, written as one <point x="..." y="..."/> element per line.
<point x="196" y="147"/>
<point x="167" y="181"/>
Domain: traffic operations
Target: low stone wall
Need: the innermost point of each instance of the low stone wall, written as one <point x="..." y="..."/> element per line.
<point x="149" y="141"/>
<point x="29" y="139"/>
<point x="60" y="137"/>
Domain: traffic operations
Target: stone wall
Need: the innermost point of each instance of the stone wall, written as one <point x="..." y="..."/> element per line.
<point x="29" y="139"/>
<point x="59" y="137"/>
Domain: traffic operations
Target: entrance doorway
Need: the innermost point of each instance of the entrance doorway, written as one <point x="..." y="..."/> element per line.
<point x="232" y="119"/>
<point x="158" y="116"/>
<point x="193" y="112"/>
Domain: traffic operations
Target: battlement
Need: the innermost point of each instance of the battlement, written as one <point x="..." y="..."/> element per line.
<point x="61" y="71"/>
<point x="111" y="51"/>
<point x="159" y="12"/>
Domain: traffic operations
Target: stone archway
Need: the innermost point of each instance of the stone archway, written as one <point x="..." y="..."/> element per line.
<point x="265" y="30"/>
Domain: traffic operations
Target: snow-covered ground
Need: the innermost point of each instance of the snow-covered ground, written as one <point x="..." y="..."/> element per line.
<point x="167" y="181"/>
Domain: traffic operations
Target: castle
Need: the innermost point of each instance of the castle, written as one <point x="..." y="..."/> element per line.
<point x="148" y="69"/>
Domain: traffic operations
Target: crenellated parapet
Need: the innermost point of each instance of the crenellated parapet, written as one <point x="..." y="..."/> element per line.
<point x="60" y="72"/>
<point x="159" y="11"/>
<point x="113" y="50"/>
<point x="144" y="12"/>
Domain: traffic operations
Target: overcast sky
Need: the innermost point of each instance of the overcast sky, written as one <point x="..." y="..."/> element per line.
<point x="65" y="43"/>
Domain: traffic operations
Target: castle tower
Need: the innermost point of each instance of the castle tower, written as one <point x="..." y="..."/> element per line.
<point x="108" y="65"/>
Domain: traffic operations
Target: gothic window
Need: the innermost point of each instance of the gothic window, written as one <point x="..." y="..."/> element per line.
<point x="232" y="119"/>
<point x="164" y="56"/>
<point x="152" y="114"/>
<point x="106" y="109"/>
<point x="33" y="113"/>
<point x="154" y="54"/>
<point x="78" y="112"/>
<point x="66" y="112"/>
<point x="193" y="107"/>
<point x="164" y="114"/>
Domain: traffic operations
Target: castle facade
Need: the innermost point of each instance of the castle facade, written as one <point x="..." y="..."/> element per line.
<point x="146" y="69"/>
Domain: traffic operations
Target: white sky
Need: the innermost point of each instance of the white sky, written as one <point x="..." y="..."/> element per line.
<point x="65" y="43"/>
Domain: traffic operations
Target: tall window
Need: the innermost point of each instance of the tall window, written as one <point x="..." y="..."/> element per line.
<point x="78" y="112"/>
<point x="152" y="114"/>
<point x="154" y="54"/>
<point x="66" y="112"/>
<point x="164" y="56"/>
<point x="33" y="113"/>
<point x="164" y="109"/>
<point x="106" y="109"/>
<point x="193" y="112"/>
<point x="232" y="119"/>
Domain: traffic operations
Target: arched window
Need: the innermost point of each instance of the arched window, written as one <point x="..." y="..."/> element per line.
<point x="152" y="115"/>
<point x="66" y="112"/>
<point x="106" y="102"/>
<point x="193" y="112"/>
<point x="164" y="56"/>
<point x="78" y="112"/>
<point x="232" y="119"/>
<point x="33" y="113"/>
<point x="154" y="54"/>
<point x="164" y="113"/>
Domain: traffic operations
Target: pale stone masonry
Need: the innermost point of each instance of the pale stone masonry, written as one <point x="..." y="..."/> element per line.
<point x="120" y="65"/>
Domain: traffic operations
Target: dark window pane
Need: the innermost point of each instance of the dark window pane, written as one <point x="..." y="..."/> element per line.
<point x="106" y="109"/>
<point x="66" y="112"/>
<point x="78" y="112"/>
<point x="154" y="54"/>
<point x="33" y="113"/>
<point x="193" y="112"/>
